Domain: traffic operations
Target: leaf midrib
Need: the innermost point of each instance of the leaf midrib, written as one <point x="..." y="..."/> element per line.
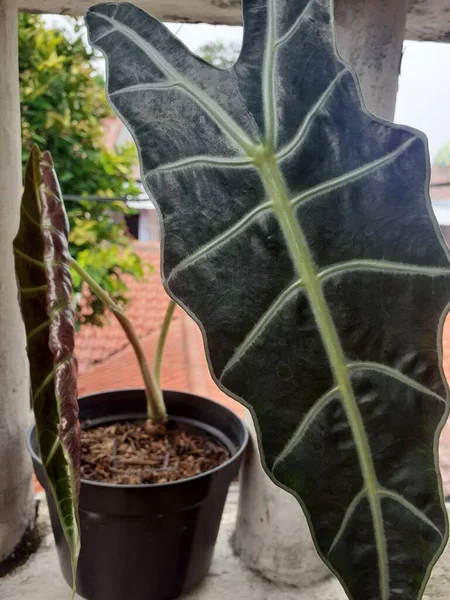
<point x="269" y="103"/>
<point x="276" y="189"/>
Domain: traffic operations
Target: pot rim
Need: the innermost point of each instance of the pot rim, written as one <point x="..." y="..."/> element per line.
<point x="129" y="486"/>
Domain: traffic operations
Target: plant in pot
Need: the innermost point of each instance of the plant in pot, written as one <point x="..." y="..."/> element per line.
<point x="299" y="233"/>
<point x="155" y="466"/>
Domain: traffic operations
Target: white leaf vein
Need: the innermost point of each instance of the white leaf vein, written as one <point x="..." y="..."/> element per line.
<point x="381" y="266"/>
<point x="305" y="424"/>
<point x="394" y="374"/>
<point x="351" y="176"/>
<point x="410" y="507"/>
<point x="290" y="32"/>
<point x="308" y="121"/>
<point x="200" y="161"/>
<point x="260" y="326"/>
<point x="215" y="244"/>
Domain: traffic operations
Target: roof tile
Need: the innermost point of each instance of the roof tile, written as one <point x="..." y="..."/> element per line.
<point x="146" y="308"/>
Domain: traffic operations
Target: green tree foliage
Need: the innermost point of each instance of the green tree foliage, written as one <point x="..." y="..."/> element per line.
<point x="220" y="54"/>
<point x="63" y="108"/>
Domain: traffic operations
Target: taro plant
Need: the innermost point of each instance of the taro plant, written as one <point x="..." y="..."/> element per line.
<point x="298" y="232"/>
<point x="43" y="262"/>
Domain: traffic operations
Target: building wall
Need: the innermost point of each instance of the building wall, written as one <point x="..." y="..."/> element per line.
<point x="446" y="231"/>
<point x="148" y="230"/>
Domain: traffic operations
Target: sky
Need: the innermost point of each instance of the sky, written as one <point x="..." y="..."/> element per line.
<point x="424" y="91"/>
<point x="424" y="87"/>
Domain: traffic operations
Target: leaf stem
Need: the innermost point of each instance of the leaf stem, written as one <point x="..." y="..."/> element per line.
<point x="276" y="189"/>
<point x="156" y="409"/>
<point x="157" y="359"/>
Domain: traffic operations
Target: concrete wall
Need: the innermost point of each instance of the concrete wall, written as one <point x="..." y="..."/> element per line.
<point x="16" y="500"/>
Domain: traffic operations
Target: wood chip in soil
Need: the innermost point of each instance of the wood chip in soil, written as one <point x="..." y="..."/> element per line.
<point x="139" y="452"/>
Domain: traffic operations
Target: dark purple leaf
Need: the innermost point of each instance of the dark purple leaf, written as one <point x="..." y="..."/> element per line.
<point x="45" y="288"/>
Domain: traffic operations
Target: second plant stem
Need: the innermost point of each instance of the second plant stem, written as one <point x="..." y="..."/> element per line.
<point x="156" y="408"/>
<point x="157" y="359"/>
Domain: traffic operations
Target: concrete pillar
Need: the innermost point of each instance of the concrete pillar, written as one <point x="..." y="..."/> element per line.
<point x="370" y="36"/>
<point x="16" y="499"/>
<point x="271" y="535"/>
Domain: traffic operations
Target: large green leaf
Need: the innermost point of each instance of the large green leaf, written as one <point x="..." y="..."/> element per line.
<point x="45" y="287"/>
<point x="298" y="232"/>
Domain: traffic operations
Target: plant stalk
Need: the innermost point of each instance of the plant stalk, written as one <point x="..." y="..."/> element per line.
<point x="156" y="408"/>
<point x="157" y="359"/>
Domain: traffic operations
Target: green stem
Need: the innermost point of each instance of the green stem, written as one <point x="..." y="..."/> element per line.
<point x="276" y="189"/>
<point x="157" y="359"/>
<point x="155" y="404"/>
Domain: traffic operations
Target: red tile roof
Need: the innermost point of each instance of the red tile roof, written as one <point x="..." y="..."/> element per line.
<point x="145" y="310"/>
<point x="184" y="365"/>
<point x="106" y="361"/>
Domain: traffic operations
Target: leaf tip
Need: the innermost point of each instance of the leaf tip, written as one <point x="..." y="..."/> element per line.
<point x="35" y="151"/>
<point x="46" y="157"/>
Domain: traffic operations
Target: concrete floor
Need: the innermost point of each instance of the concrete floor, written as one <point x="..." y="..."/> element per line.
<point x="40" y="578"/>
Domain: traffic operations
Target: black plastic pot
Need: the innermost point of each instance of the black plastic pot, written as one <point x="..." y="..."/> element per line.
<point x="148" y="542"/>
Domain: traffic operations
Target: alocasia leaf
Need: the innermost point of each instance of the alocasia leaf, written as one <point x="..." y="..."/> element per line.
<point x="298" y="232"/>
<point x="45" y="287"/>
